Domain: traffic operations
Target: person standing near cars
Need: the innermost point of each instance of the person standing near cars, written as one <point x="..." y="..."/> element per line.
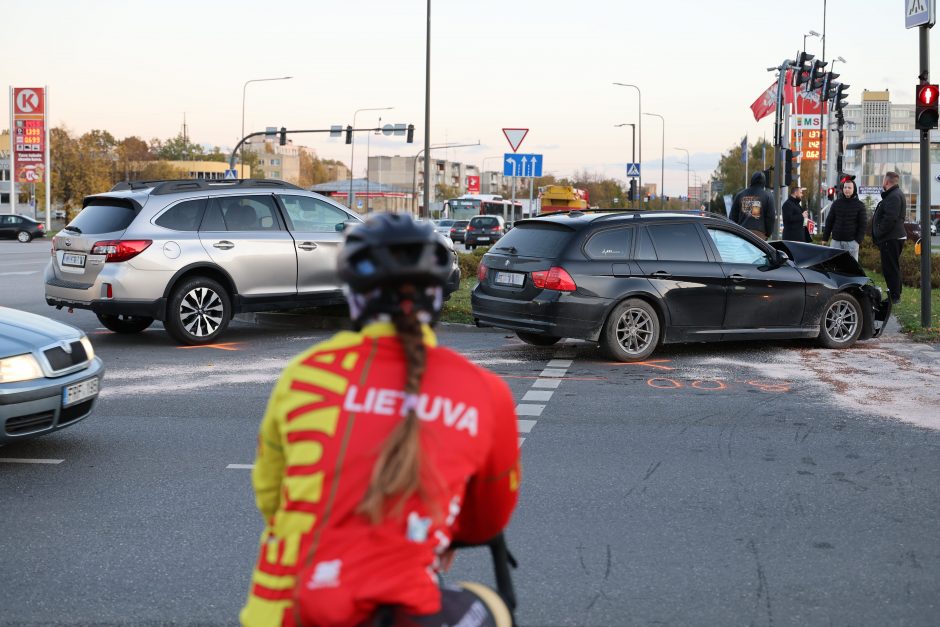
<point x="371" y="462"/>
<point x="846" y="220"/>
<point x="888" y="234"/>
<point x="795" y="218"/>
<point x="753" y="208"/>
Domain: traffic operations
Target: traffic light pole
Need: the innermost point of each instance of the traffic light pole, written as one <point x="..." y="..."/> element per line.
<point x="778" y="141"/>
<point x="926" y="253"/>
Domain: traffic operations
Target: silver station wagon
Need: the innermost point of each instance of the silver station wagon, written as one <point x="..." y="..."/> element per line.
<point x="49" y="375"/>
<point x="193" y="253"/>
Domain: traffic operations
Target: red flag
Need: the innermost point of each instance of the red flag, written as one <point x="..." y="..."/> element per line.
<point x="766" y="103"/>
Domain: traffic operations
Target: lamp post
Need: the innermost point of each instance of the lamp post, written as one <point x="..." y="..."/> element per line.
<point x="662" y="171"/>
<point x="427" y="114"/>
<point x="352" y="152"/>
<point x="632" y="154"/>
<point x="414" y="171"/>
<point x="688" y="158"/>
<point x="241" y="154"/>
<point x="368" y="149"/>
<point x="639" y="108"/>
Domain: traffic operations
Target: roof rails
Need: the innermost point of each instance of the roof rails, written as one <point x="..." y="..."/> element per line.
<point x="161" y="187"/>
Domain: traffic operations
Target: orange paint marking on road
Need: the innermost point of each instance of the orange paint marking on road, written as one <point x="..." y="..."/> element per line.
<point x="655" y="363"/>
<point x="699" y="385"/>
<point x="770" y="387"/>
<point x="225" y="346"/>
<point x="672" y="384"/>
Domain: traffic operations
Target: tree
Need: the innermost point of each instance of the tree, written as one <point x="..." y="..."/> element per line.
<point x="730" y="170"/>
<point x="178" y="148"/>
<point x="446" y="192"/>
<point x="161" y="170"/>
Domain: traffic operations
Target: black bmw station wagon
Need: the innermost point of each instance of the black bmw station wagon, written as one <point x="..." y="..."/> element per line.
<point x="634" y="280"/>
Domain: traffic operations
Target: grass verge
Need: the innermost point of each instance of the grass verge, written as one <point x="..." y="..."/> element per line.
<point x="908" y="311"/>
<point x="457" y="309"/>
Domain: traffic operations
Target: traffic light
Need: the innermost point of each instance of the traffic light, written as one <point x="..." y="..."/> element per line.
<point x="830" y="87"/>
<point x="348" y="134"/>
<point x="411" y="134"/>
<point x="283" y="139"/>
<point x="631" y="193"/>
<point x="817" y="76"/>
<point x="831" y="193"/>
<point x="926" y="113"/>
<point x="842" y="97"/>
<point x="787" y="166"/>
<point x="803" y="68"/>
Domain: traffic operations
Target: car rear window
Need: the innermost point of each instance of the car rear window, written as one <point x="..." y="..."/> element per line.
<point x="98" y="217"/>
<point x="536" y="239"/>
<point x="446" y="223"/>
<point x="460" y="223"/>
<point x="486" y="222"/>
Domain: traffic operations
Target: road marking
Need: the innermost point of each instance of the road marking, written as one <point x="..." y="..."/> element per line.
<point x="525" y="426"/>
<point x="521" y="440"/>
<point x="560" y="363"/>
<point x="19" y="273"/>
<point x="546" y="383"/>
<point x="240" y="466"/>
<point x="553" y="372"/>
<point x="538" y="395"/>
<point x="529" y="410"/>
<point x="17" y="460"/>
<point x="224" y="346"/>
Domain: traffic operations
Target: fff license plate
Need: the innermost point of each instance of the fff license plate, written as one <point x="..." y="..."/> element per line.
<point x="72" y="259"/>
<point x="483" y="239"/>
<point x="514" y="279"/>
<point x="81" y="391"/>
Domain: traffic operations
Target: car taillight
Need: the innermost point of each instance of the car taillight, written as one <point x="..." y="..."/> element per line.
<point x="469" y="228"/>
<point x="481" y="272"/>
<point x="555" y="278"/>
<point x="453" y="230"/>
<point x="120" y="249"/>
<point x="42" y="227"/>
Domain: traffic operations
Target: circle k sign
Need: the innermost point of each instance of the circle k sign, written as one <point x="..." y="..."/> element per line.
<point x="28" y="100"/>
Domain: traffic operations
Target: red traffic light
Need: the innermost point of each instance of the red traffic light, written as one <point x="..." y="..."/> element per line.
<point x="927" y="94"/>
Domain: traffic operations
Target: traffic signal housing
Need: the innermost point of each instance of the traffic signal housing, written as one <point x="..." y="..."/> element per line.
<point x="804" y="67"/>
<point x="348" y="134"/>
<point x="631" y="192"/>
<point x="283" y="139"/>
<point x="817" y="77"/>
<point x="787" y="166"/>
<point x="410" y="138"/>
<point x="926" y="112"/>
<point x="831" y="193"/>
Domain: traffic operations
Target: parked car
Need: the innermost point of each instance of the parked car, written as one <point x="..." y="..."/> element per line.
<point x="443" y="226"/>
<point x="634" y="280"/>
<point x="484" y="231"/>
<point x="458" y="231"/>
<point x="49" y="375"/>
<point x="21" y="228"/>
<point x="194" y="253"/>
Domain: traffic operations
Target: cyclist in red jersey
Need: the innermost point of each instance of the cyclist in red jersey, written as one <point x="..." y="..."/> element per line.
<point x="378" y="449"/>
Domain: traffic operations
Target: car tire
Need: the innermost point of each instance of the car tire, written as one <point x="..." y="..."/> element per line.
<point x="537" y="339"/>
<point x="841" y="322"/>
<point x="631" y="332"/>
<point x="24" y="236"/>
<point x="198" y="312"/>
<point x="124" y="324"/>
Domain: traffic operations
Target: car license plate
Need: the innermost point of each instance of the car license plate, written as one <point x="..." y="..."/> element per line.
<point x="72" y="259"/>
<point x="483" y="239"/>
<point x="514" y="279"/>
<point x="78" y="392"/>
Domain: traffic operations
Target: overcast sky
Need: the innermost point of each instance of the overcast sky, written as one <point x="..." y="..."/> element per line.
<point x="135" y="68"/>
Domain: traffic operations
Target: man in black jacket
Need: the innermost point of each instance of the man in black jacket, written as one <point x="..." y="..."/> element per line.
<point x="888" y="234"/>
<point x="753" y="208"/>
<point x="795" y="217"/>
<point x="846" y="220"/>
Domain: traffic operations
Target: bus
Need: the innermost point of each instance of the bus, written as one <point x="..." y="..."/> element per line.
<point x="469" y="205"/>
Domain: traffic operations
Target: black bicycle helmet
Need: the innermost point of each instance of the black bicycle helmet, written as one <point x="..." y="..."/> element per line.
<point x="390" y="250"/>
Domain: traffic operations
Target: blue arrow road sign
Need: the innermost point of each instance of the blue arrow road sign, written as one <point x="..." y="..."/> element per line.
<point x="633" y="170"/>
<point x="516" y="164"/>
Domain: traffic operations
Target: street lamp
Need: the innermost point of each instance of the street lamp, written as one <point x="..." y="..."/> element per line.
<point x="639" y="105"/>
<point x="811" y="33"/>
<point x="825" y="129"/>
<point x="662" y="172"/>
<point x="427" y="114"/>
<point x="632" y="152"/>
<point x="352" y="151"/>
<point x="688" y="158"/>
<point x="241" y="152"/>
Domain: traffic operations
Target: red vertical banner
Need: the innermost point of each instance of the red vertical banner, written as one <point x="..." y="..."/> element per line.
<point x="473" y="184"/>
<point x="28" y="150"/>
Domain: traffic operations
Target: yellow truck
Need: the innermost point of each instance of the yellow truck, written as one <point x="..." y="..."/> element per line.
<point x="554" y="198"/>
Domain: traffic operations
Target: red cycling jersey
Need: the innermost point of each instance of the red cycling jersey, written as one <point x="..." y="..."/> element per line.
<point x="321" y="562"/>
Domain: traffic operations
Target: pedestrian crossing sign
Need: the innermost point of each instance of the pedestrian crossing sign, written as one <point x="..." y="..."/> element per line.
<point x="633" y="170"/>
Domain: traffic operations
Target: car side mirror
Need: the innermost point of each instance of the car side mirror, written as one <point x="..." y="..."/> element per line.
<point x="342" y="226"/>
<point x="781" y="258"/>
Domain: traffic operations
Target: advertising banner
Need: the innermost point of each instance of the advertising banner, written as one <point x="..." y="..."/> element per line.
<point x="473" y="184"/>
<point x="28" y="150"/>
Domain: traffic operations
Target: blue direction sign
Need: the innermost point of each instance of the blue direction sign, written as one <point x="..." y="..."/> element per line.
<point x="633" y="170"/>
<point x="517" y="164"/>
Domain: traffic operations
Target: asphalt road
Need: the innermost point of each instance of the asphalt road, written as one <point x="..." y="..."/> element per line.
<point x="773" y="484"/>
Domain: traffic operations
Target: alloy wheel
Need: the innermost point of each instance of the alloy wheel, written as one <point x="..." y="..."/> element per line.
<point x="635" y="330"/>
<point x="23" y="236"/>
<point x="201" y="312"/>
<point x="841" y="321"/>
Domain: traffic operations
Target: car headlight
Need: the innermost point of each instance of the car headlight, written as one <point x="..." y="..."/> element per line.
<point x="89" y="349"/>
<point x="19" y="368"/>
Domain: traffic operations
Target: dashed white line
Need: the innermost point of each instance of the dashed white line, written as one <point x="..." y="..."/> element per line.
<point x="525" y="426"/>
<point x="553" y="372"/>
<point x="524" y="409"/>
<point x="17" y="460"/>
<point x="543" y="389"/>
<point x="560" y="363"/>
<point x="538" y="395"/>
<point x="240" y="466"/>
<point x="546" y="383"/>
